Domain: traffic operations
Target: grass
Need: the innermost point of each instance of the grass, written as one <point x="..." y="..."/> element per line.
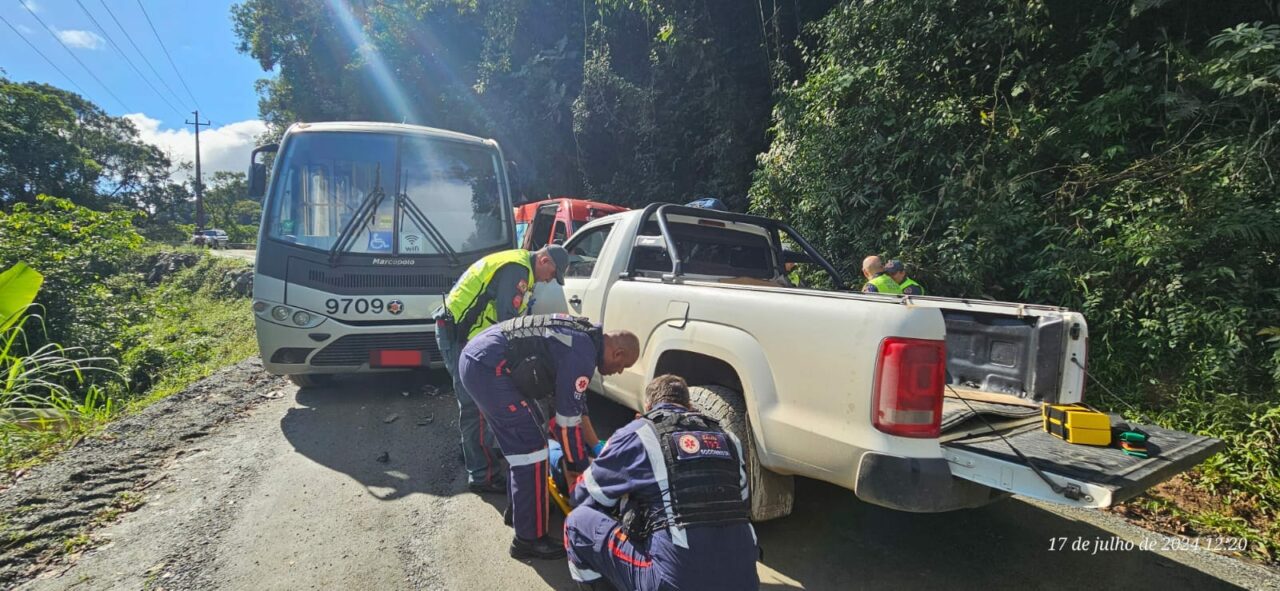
<point x="1235" y="493"/>
<point x="191" y="326"/>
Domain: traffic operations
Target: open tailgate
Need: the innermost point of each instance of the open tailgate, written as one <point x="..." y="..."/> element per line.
<point x="1104" y="475"/>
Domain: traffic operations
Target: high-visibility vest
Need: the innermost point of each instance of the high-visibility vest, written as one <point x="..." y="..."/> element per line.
<point x="909" y="282"/>
<point x="885" y="284"/>
<point x="471" y="304"/>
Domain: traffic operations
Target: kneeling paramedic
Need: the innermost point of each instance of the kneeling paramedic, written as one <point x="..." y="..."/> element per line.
<point x="495" y="288"/>
<point x="665" y="505"/>
<point x="511" y="367"/>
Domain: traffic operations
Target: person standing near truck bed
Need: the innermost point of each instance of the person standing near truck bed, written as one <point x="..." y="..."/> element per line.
<point x="665" y="505"/>
<point x="510" y="369"/>
<point x="898" y="272"/>
<point x="495" y="288"/>
<point x="877" y="280"/>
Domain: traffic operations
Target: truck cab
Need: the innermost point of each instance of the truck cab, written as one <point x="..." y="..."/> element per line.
<point x="552" y="221"/>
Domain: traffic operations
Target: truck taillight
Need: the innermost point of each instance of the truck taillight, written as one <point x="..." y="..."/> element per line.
<point x="910" y="376"/>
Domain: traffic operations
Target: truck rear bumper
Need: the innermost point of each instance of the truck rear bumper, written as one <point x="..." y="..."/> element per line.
<point x="918" y="485"/>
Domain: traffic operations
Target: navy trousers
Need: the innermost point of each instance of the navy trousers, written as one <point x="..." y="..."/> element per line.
<point x="522" y="434"/>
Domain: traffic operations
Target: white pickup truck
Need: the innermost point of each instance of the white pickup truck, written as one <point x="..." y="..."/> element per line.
<point x="897" y="398"/>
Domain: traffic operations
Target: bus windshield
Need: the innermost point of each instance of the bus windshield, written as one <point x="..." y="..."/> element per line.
<point x="323" y="177"/>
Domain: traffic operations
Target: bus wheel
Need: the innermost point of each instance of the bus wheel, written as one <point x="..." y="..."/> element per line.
<point x="310" y="380"/>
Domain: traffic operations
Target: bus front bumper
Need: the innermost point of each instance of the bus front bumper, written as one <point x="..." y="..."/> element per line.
<point x="334" y="348"/>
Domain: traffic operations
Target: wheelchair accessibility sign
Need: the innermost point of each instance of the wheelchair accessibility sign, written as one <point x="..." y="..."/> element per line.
<point x="379" y="241"/>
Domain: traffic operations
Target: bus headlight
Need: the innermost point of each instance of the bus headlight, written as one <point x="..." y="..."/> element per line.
<point x="280" y="313"/>
<point x="259" y="306"/>
<point x="301" y="318"/>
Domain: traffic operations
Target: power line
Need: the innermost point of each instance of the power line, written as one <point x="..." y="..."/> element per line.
<point x="166" y="54"/>
<point x="126" y="58"/>
<point x="141" y="54"/>
<point x="41" y="54"/>
<point x="73" y="55"/>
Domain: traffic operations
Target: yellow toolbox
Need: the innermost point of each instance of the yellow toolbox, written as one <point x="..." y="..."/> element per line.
<point x="1076" y="423"/>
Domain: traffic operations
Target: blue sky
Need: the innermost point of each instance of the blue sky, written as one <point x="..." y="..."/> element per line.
<point x="200" y="39"/>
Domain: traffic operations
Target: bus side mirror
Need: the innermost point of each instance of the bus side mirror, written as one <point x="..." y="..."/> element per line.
<point x="258" y="171"/>
<point x="519" y="192"/>
<point x="257" y="180"/>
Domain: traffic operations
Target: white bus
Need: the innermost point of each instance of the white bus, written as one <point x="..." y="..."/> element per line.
<point x="364" y="229"/>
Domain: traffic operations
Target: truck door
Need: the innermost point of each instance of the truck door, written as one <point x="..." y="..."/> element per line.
<point x="584" y="281"/>
<point x="540" y="228"/>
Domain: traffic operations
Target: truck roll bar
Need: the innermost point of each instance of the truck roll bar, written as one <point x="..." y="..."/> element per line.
<point x="662" y="210"/>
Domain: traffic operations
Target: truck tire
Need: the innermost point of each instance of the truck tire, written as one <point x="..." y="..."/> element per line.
<point x="310" y="380"/>
<point x="772" y="494"/>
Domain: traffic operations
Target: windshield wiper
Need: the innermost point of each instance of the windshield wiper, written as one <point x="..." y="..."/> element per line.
<point x="370" y="204"/>
<point x="433" y="234"/>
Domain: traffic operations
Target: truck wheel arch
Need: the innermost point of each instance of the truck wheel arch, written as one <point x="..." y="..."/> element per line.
<point x="720" y="355"/>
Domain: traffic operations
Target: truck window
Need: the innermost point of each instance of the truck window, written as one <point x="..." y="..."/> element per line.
<point x="561" y="234"/>
<point x="709" y="250"/>
<point x="584" y="251"/>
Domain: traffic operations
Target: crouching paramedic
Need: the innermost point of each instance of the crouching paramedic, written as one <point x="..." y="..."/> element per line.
<point x="665" y="505"/>
<point x="511" y="367"/>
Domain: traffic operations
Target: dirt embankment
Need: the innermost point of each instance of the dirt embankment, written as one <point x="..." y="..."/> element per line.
<point x="45" y="513"/>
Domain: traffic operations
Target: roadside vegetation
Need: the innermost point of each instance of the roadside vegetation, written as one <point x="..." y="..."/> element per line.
<point x="101" y="322"/>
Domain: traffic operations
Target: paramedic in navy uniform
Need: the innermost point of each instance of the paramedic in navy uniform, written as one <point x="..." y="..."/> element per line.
<point x="665" y="505"/>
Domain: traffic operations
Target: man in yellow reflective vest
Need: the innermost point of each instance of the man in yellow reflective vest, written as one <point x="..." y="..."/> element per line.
<point x="898" y="272"/>
<point x="495" y="288"/>
<point x="877" y="280"/>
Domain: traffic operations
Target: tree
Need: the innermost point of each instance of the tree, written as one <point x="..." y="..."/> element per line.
<point x="1115" y="159"/>
<point x="226" y="205"/>
<point x="54" y="141"/>
<point x="628" y="103"/>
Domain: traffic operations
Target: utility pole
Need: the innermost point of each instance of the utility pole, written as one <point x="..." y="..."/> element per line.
<point x="199" y="184"/>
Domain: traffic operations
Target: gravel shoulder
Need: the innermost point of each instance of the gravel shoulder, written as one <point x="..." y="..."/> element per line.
<point x="245" y="482"/>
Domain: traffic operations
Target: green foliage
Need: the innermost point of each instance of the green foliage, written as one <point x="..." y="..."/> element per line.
<point x="19" y="285"/>
<point x="79" y="251"/>
<point x="227" y="208"/>
<point x="59" y="375"/>
<point x="1119" y="162"/>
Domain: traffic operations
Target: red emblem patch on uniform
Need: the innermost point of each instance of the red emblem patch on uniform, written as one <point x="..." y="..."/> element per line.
<point x="581" y="384"/>
<point x="511" y="407"/>
<point x="516" y="301"/>
<point x="690" y="443"/>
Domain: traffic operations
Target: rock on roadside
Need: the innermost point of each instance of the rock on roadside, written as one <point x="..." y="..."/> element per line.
<point x="60" y="500"/>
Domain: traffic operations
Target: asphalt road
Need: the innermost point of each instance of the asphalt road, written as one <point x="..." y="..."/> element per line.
<point x="246" y="255"/>
<point x="298" y="494"/>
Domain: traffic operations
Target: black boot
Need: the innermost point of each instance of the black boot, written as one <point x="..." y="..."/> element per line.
<point x="543" y="548"/>
<point x="506" y="516"/>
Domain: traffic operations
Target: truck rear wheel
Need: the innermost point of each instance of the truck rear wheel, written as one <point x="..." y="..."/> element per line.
<point x="310" y="380"/>
<point x="772" y="494"/>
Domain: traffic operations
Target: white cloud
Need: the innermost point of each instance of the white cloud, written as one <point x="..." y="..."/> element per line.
<point x="25" y="30"/>
<point x="221" y="148"/>
<point x="81" y="39"/>
<point x="31" y="5"/>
